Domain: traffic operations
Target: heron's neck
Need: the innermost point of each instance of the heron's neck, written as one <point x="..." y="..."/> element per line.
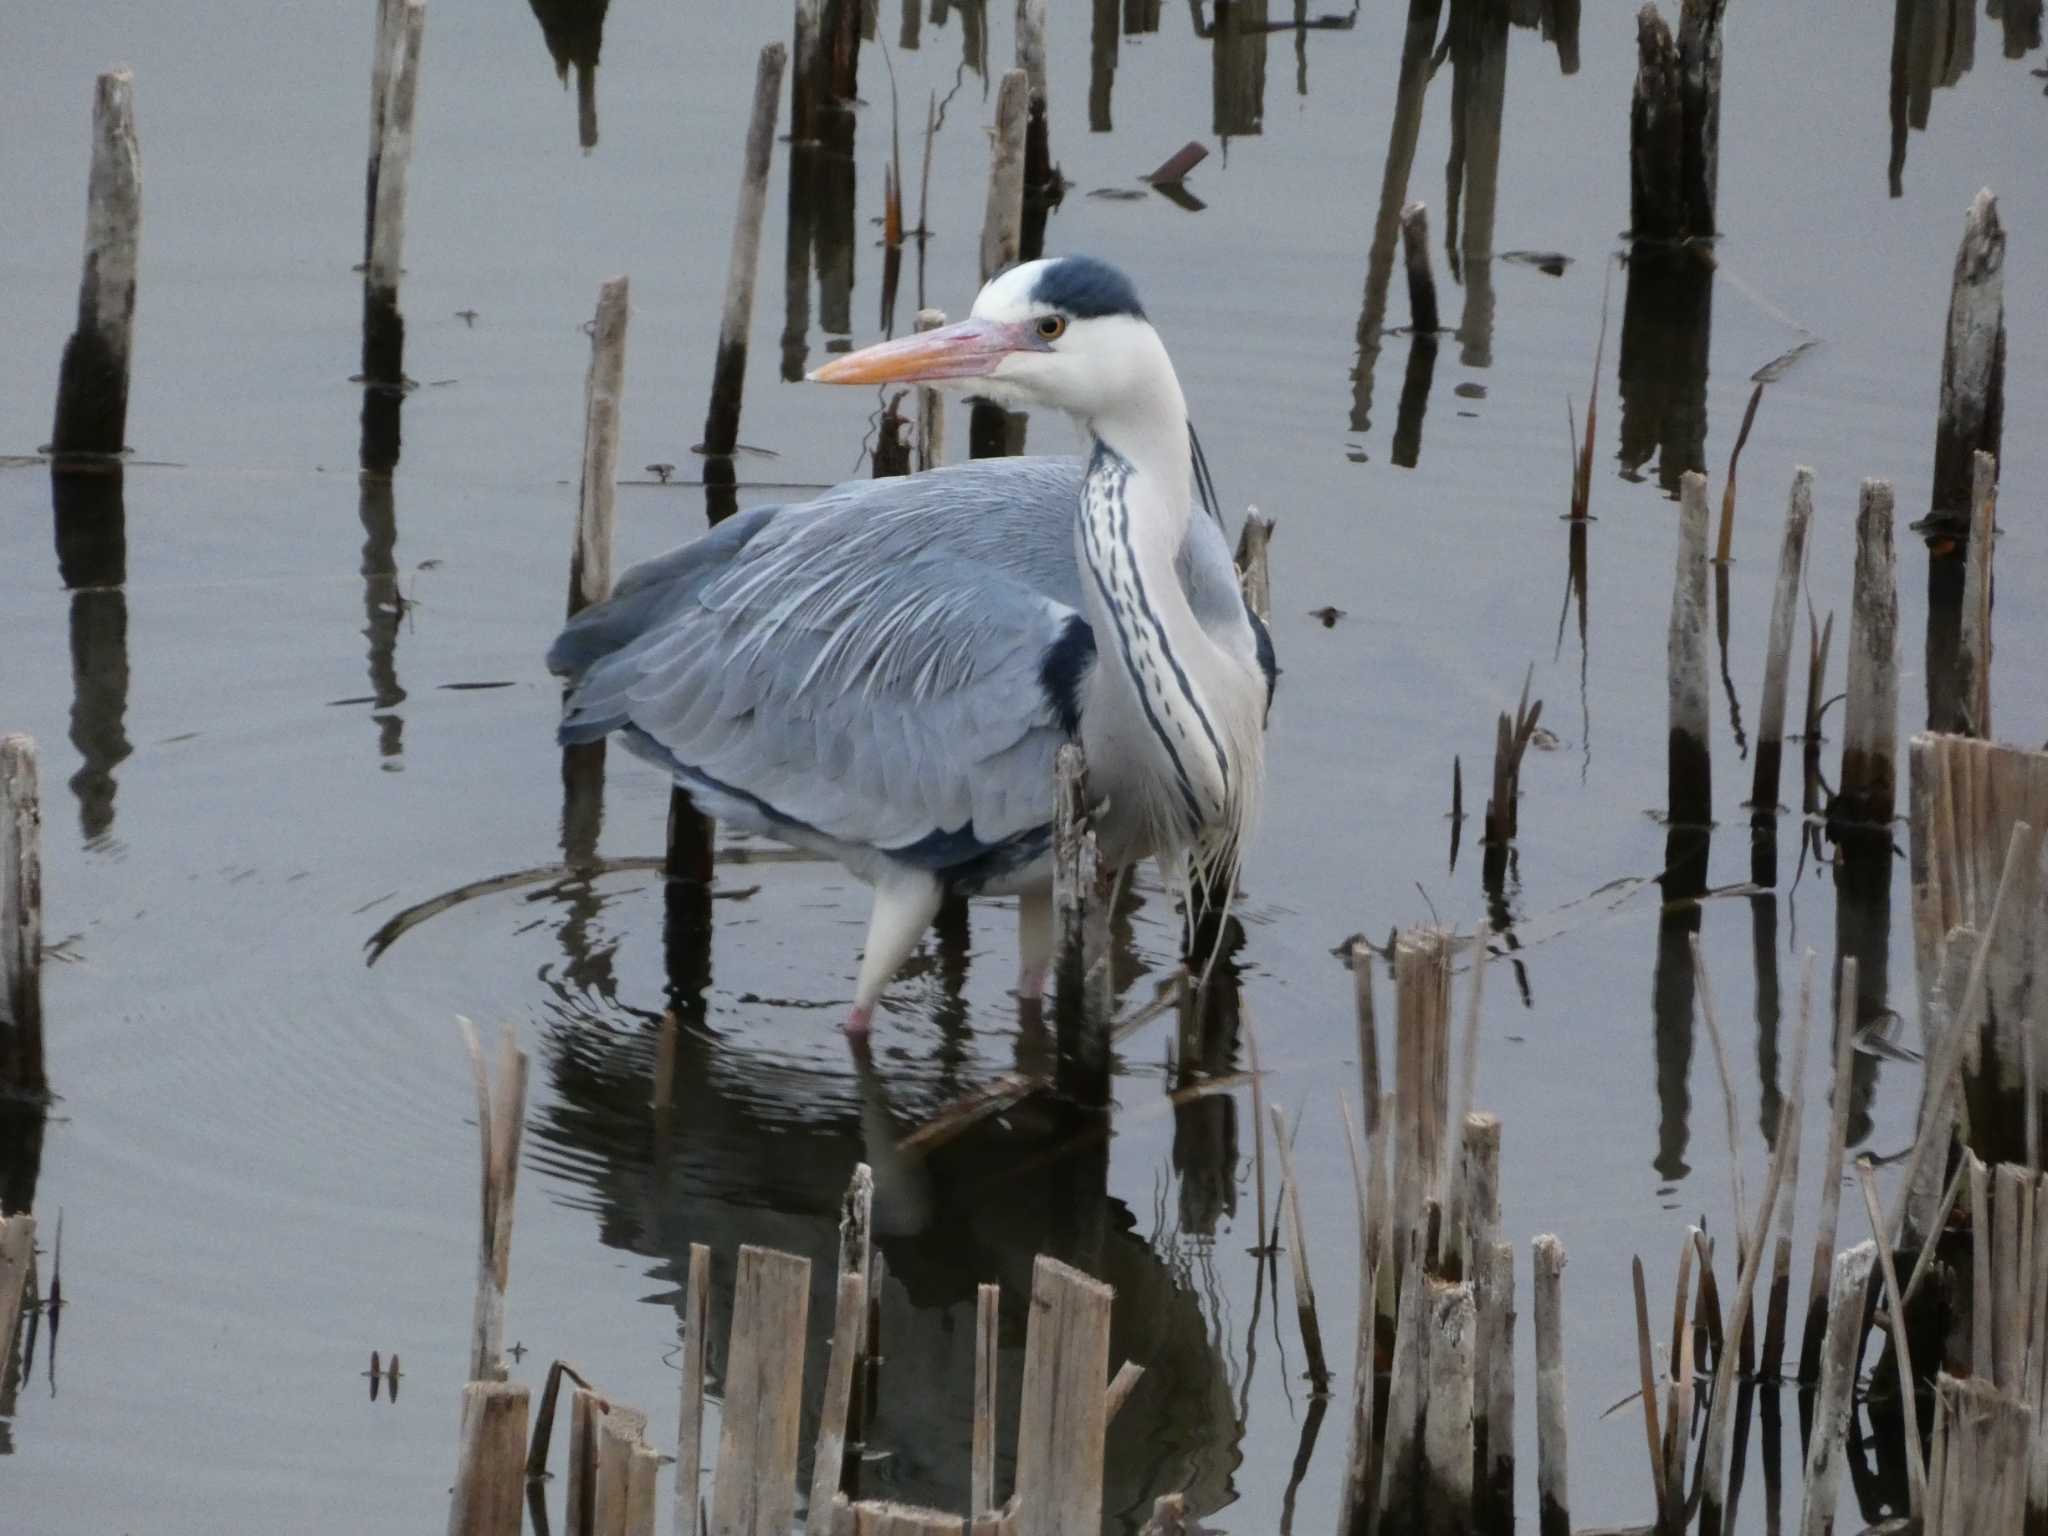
<point x="1161" y="669"/>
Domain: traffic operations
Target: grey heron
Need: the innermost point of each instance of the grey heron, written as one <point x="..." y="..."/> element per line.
<point x="883" y="674"/>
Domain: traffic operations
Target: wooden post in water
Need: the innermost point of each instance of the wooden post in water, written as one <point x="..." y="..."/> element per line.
<point x="690" y="1414"/>
<point x="1978" y="1472"/>
<point x="383" y="326"/>
<point x="1870" y="726"/>
<point x="1553" y="1495"/>
<point x="21" y="920"/>
<point x="857" y="1257"/>
<point x="1828" y="1449"/>
<point x="1770" y="731"/>
<point x="1690" y="768"/>
<point x="849" y="1321"/>
<point x="1422" y="984"/>
<point x="590" y="561"/>
<point x="1973" y="671"/>
<point x="1002" y="220"/>
<point x="381" y="51"/>
<point x="931" y="406"/>
<point x="1422" y="311"/>
<point x="754" y="1485"/>
<point x="729" y="374"/>
<point x="490" y="1468"/>
<point x="1699" y="70"/>
<point x="1081" y="936"/>
<point x="1675" y="123"/>
<point x="92" y="380"/>
<point x="1060" y="1422"/>
<point x="1447" y="1429"/>
<point x="1972" y="413"/>
<point x="982" y="1471"/>
<point x="17" y="1267"/>
<point x="1031" y="59"/>
<point x="1400" y="1474"/>
<point x="1494" y="1473"/>
<point x="806" y="78"/>
<point x="501" y="1122"/>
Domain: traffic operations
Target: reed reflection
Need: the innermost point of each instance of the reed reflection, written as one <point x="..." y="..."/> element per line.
<point x="92" y="561"/>
<point x="574" y="33"/>
<point x="384" y="604"/>
<point x="1477" y="37"/>
<point x="1104" y="33"/>
<point x="1674" y="983"/>
<point x="1237" y="37"/>
<point x="1666" y="323"/>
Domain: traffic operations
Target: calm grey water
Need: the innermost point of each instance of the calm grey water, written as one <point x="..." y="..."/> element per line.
<point x="258" y="745"/>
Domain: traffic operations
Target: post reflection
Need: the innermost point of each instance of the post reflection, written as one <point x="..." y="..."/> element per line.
<point x="574" y="33"/>
<point x="750" y="1148"/>
<point x="90" y="518"/>
<point x="1104" y="32"/>
<point x="1237" y="38"/>
<point x="1666" y="322"/>
<point x="1477" y="37"/>
<point x="383" y="602"/>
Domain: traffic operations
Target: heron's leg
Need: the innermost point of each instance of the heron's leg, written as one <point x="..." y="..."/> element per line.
<point x="906" y="901"/>
<point x="1034" y="942"/>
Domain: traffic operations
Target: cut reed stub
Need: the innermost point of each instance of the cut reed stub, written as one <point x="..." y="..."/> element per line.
<point x="1971" y="417"/>
<point x="92" y="381"/>
<point x="21" y="920"/>
<point x="1867" y="792"/>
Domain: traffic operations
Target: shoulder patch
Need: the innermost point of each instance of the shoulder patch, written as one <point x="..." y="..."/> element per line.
<point x="1061" y="670"/>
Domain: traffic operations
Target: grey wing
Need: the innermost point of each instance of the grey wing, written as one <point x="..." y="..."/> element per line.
<point x="890" y="667"/>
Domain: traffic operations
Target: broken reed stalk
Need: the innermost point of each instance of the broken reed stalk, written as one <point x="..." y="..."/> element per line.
<point x="1511" y="738"/>
<point x="1976" y="1478"/>
<point x="1553" y="1495"/>
<point x="848" y="1320"/>
<point x="1471" y="1152"/>
<point x="931" y="406"/>
<point x="21" y="921"/>
<point x="1447" y="1431"/>
<point x="729" y="373"/>
<point x="1770" y="737"/>
<point x="490" y="1466"/>
<point x="1422" y="982"/>
<point x="92" y="379"/>
<point x="1121" y="1386"/>
<point x="621" y="1487"/>
<point x="753" y="1488"/>
<point x="1974" y="651"/>
<point x="1358" y="1508"/>
<point x="1831" y="1177"/>
<point x="1061" y="1418"/>
<point x="1690" y="769"/>
<point x="1714" y="1451"/>
<point x="590" y="561"/>
<point x="982" y="1468"/>
<point x="1297" y="1257"/>
<point x="1790" y="1124"/>
<point x="1400" y="1472"/>
<point x="1870" y="728"/>
<point x="1945" y="1058"/>
<point x="1972" y="410"/>
<point x="381" y="51"/>
<point x="1827" y="1450"/>
<point x="1646" y="1392"/>
<point x="1422" y="311"/>
<point x="1895" y="1305"/>
<point x="1494" y="1391"/>
<point x="1724" y="540"/>
<point x="690" y="1414"/>
<point x="501" y="1123"/>
<point x="1675" y="123"/>
<point x="1002" y="221"/>
<point x="383" y="327"/>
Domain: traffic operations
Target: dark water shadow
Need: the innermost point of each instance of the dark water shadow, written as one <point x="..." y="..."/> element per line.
<point x="89" y="515"/>
<point x="574" y="33"/>
<point x="755" y="1149"/>
<point x="384" y="603"/>
<point x="1236" y="34"/>
<point x="1666" y="323"/>
<point x="1934" y="44"/>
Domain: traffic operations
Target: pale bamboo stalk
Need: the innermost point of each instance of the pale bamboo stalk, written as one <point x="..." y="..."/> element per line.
<point x="501" y="1124"/>
<point x="92" y="378"/>
<point x="828" y="1461"/>
<point x="1297" y="1255"/>
<point x="1447" y="1429"/>
<point x="982" y="1475"/>
<point x="1003" y="220"/>
<point x="1831" y="1177"/>
<point x="1451" y="1191"/>
<point x="381" y="50"/>
<point x="643" y="1489"/>
<point x="490" y="1481"/>
<point x="2009" y="1275"/>
<point x="1689" y="796"/>
<point x="1826" y="1451"/>
<point x="1972" y="409"/>
<point x="1895" y="1303"/>
<point x="1120" y="1388"/>
<point x="931" y="406"/>
<point x="619" y="1430"/>
<point x="736" y="318"/>
<point x="1358" y="1189"/>
<point x="1981" y="1319"/>
<point x="590" y="561"/>
<point x="1061" y="1418"/>
<point x="1497" y="1336"/>
<point x="1770" y="734"/>
<point x="17" y="1273"/>
<point x="383" y="332"/>
<point x="753" y="1489"/>
<point x="1868" y="787"/>
<point x="1358" y="1510"/>
<point x="1401" y="1461"/>
<point x="1553" y="1495"/>
<point x="1646" y="1374"/>
<point x="1790" y="1128"/>
<point x="690" y="1415"/>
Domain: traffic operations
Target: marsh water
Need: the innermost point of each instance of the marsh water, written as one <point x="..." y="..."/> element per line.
<point x="280" y="702"/>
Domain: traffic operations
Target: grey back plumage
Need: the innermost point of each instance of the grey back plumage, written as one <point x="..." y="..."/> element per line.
<point x="879" y="669"/>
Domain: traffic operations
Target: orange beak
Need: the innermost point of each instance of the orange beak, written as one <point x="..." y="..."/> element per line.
<point x="969" y="349"/>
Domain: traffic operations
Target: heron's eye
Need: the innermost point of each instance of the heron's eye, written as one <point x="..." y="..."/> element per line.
<point x="1052" y="327"/>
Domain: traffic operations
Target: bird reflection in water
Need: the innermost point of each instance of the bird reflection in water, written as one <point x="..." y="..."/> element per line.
<point x="741" y="1147"/>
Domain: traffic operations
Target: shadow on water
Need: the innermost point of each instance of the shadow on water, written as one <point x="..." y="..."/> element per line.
<point x="574" y="33"/>
<point x="750" y="1148"/>
<point x="92" y="561"/>
<point x="384" y="604"/>
<point x="1674" y="983"/>
<point x="1666" y="323"/>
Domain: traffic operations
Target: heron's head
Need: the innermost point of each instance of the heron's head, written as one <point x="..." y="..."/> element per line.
<point x="1066" y="333"/>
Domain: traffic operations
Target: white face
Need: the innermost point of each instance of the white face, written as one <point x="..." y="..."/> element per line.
<point x="1082" y="366"/>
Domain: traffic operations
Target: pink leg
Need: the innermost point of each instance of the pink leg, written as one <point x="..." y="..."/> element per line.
<point x="858" y="1022"/>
